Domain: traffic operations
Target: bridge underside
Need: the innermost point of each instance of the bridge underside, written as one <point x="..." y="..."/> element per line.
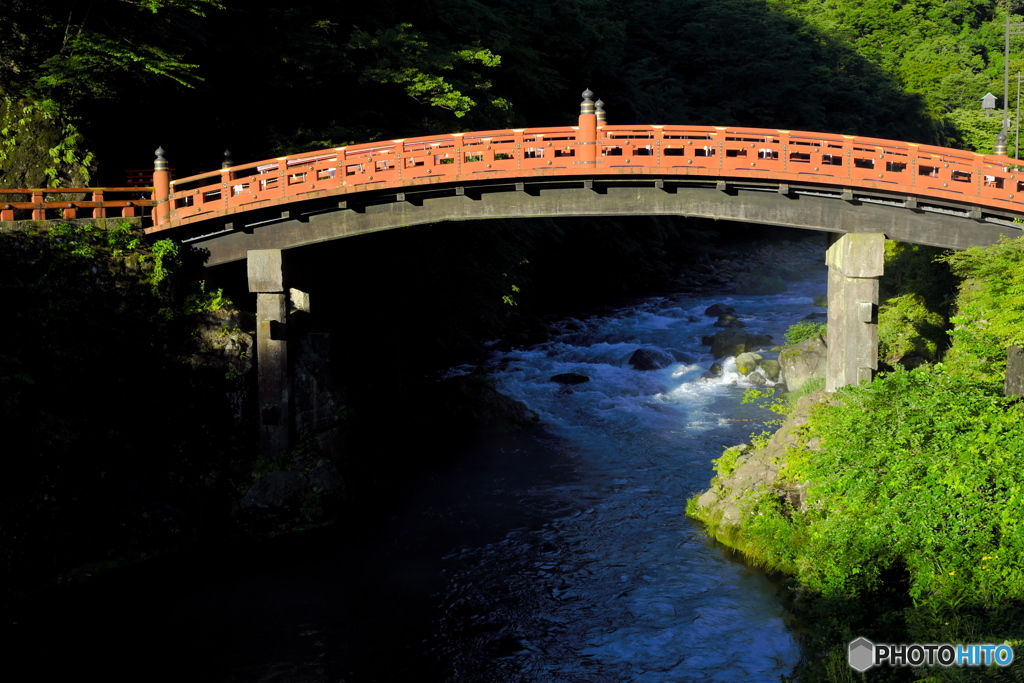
<point x="320" y="219"/>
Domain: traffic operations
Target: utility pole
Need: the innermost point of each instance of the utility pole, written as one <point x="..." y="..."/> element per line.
<point x="1004" y="133"/>
<point x="1016" y="144"/>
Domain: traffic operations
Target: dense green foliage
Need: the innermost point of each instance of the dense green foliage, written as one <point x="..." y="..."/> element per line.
<point x="915" y="295"/>
<point x="951" y="53"/>
<point x="990" y="308"/>
<point x="59" y="58"/>
<point x="932" y="480"/>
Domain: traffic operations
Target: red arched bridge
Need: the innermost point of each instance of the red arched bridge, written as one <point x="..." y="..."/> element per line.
<point x="862" y="189"/>
<point x="837" y="183"/>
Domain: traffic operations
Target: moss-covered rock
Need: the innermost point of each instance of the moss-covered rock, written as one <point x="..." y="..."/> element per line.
<point x="745" y="474"/>
<point x="746" y="363"/>
<point x="802" y="362"/>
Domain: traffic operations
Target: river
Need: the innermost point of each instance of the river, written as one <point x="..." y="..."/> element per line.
<point x="559" y="554"/>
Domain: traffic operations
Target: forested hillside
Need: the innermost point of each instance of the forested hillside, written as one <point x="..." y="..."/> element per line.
<point x="949" y="53"/>
<point x="112" y="80"/>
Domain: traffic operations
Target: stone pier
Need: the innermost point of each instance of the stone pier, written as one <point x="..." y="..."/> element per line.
<point x="855" y="262"/>
<point x="266" y="279"/>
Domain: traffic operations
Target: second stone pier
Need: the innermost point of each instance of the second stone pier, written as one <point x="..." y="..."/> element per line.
<point x="855" y="262"/>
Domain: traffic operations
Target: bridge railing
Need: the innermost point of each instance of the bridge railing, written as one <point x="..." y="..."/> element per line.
<point x="74" y="202"/>
<point x="386" y="164"/>
<point x="731" y="153"/>
<point x="802" y="156"/>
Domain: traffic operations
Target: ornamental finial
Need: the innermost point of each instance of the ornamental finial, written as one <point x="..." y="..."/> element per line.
<point x="587" y="105"/>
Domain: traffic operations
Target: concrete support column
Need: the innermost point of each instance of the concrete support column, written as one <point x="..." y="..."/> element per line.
<point x="266" y="279"/>
<point x="855" y="262"/>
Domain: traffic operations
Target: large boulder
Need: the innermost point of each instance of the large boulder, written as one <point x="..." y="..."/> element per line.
<point x="716" y="310"/>
<point x="803" y="361"/>
<point x="645" y="359"/>
<point x="325" y="478"/>
<point x="729" y="342"/>
<point x="734" y="341"/>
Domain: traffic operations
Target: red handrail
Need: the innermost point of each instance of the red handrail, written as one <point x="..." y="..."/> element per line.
<point x="721" y="152"/>
<point x="562" y="152"/>
<point x="99" y="204"/>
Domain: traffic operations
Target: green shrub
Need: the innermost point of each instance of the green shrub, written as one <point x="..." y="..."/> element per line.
<point x="989" y="309"/>
<point x="908" y="332"/>
<point x="804" y="330"/>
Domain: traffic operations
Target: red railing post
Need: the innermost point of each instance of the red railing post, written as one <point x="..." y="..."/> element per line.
<point x="39" y="210"/>
<point x="161" y="189"/>
<point x="587" y="137"/>
<point x="98" y="211"/>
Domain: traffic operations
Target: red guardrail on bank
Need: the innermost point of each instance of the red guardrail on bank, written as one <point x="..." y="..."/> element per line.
<point x="75" y="202"/>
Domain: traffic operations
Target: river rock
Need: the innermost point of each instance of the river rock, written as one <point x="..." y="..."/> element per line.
<point x="747" y="362"/>
<point x="726" y="320"/>
<point x="803" y="361"/>
<point x="730" y="342"/>
<point x="716" y="310"/>
<point x="734" y="341"/>
<point x="570" y="378"/>
<point x="471" y="403"/>
<point x="645" y="359"/>
<point x="772" y="369"/>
